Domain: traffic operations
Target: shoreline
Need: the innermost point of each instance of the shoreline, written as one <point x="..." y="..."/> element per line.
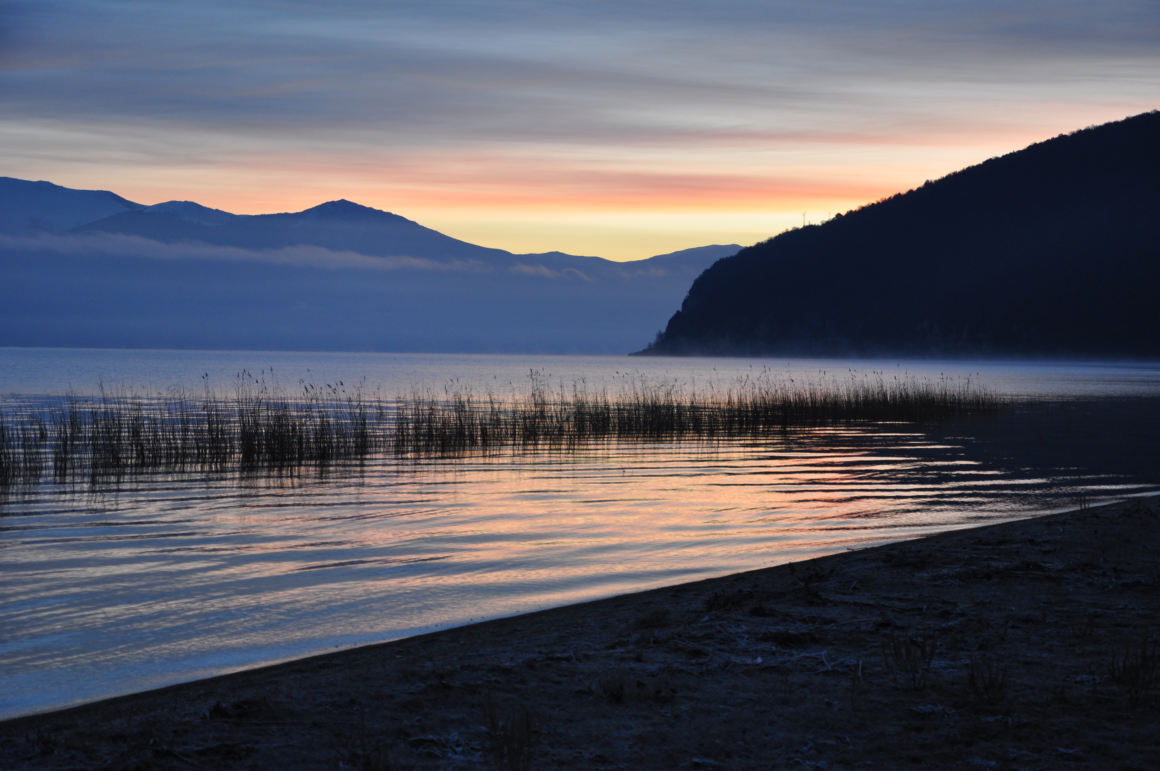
<point x="1002" y="644"/>
<point x="339" y="650"/>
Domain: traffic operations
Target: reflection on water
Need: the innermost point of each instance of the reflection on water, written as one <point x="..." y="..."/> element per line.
<point x="175" y="578"/>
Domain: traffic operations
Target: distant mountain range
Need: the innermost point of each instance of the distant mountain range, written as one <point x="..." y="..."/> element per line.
<point x="1050" y="251"/>
<point x="89" y="268"/>
<point x="36" y="208"/>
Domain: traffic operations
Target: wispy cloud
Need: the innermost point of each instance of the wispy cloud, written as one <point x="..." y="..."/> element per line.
<point x="114" y="245"/>
<point x="543" y="271"/>
<point x="423" y="106"/>
<point x="549" y="71"/>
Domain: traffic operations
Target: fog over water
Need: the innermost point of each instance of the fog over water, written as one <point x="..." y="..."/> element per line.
<point x="173" y="577"/>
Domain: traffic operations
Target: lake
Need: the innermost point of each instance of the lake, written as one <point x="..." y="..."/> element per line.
<point x="172" y="577"/>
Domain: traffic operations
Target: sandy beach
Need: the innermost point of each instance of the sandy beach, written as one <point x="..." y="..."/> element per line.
<point x="1023" y="645"/>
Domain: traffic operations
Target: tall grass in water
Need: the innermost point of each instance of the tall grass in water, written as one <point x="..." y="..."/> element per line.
<point x="262" y="429"/>
<point x="22" y="451"/>
<point x="259" y="429"/>
<point x="666" y="411"/>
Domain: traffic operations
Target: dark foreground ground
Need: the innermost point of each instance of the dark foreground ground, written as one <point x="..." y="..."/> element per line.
<point x="1017" y="646"/>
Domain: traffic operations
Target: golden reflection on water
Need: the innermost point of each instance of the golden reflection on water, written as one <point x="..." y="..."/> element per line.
<point x="172" y="578"/>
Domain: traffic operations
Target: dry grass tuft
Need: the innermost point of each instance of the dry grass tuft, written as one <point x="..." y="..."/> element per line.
<point x="511" y="736"/>
<point x="986" y="680"/>
<point x="1136" y="672"/>
<point x="908" y="657"/>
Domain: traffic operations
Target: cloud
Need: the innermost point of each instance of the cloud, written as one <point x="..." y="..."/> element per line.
<point x="630" y="106"/>
<point x="521" y="269"/>
<point x="600" y="72"/>
<point x="305" y="256"/>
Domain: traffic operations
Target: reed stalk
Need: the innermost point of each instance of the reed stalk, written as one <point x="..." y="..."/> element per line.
<point x="262" y="429"/>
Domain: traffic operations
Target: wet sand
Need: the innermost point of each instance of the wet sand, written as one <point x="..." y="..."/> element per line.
<point x="1023" y="645"/>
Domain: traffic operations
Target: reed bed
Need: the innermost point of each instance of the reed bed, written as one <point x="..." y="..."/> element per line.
<point x="261" y="429"/>
<point x="641" y="410"/>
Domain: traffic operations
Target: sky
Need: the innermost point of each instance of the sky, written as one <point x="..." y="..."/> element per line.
<point x="620" y="129"/>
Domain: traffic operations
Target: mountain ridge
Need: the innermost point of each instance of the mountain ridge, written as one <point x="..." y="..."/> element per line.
<point x="341" y="225"/>
<point x="338" y="276"/>
<point x="35" y="208"/>
<point x="338" y="225"/>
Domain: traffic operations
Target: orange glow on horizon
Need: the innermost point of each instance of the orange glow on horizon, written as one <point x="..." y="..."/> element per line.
<point x="621" y="202"/>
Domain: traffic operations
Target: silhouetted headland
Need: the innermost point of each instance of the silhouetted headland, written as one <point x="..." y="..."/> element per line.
<point x="1051" y="251"/>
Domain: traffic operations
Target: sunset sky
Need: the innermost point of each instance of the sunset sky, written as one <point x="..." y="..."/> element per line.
<point x="621" y="129"/>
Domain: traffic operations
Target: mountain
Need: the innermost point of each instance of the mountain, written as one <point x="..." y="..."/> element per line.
<point x="35" y="208"/>
<point x="1050" y="251"/>
<point x="337" y="225"/>
<point x="188" y="211"/>
<point x="337" y="277"/>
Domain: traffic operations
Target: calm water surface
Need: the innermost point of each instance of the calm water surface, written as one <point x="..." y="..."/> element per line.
<point x="173" y="578"/>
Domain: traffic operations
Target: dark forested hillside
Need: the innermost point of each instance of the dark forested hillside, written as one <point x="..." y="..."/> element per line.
<point x="1050" y="251"/>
